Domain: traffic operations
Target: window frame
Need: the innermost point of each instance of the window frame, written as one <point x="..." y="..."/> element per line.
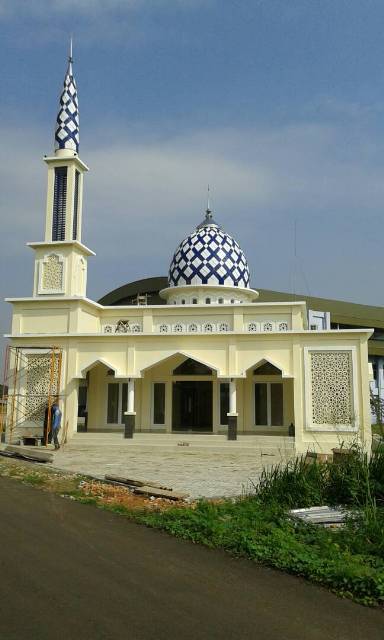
<point x="120" y="408"/>
<point x="222" y="424"/>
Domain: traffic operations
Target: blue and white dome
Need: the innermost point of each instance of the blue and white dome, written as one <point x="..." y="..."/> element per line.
<point x="209" y="256"/>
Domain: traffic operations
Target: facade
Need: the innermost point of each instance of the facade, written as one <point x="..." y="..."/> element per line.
<point x="323" y="313"/>
<point x="212" y="357"/>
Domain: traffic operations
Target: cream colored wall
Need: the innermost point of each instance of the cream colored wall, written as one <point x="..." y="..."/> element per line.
<point x="325" y="440"/>
<point x="229" y="354"/>
<point x="74" y="261"/>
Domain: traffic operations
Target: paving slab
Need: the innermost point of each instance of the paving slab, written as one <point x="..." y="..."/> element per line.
<point x="198" y="469"/>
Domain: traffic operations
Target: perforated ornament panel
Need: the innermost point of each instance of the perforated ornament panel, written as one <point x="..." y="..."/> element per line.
<point x="40" y="380"/>
<point x="331" y="382"/>
<point x="52" y="274"/>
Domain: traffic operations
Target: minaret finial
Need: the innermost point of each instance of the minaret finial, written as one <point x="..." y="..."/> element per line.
<point x="67" y="122"/>
<point x="70" y="59"/>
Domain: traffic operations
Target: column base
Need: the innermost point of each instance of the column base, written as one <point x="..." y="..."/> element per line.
<point x="129" y="424"/>
<point x="232" y="428"/>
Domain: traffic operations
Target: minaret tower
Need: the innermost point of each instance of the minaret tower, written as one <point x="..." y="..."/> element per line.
<point x="61" y="260"/>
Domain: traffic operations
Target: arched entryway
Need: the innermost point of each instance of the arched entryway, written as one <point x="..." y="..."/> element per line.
<point x="269" y="409"/>
<point x="192" y="397"/>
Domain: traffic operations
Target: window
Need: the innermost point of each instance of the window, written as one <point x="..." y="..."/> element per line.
<point x="117" y="402"/>
<point x="267" y="369"/>
<point x="261" y="404"/>
<point x="207" y="300"/>
<point x="224" y="402"/>
<point x="76" y="205"/>
<point x="194" y="300"/>
<point x="276" y="404"/>
<point x="221" y="300"/>
<point x="182" y="301"/>
<point x="113" y="403"/>
<point x="59" y="203"/>
<point x="192" y="368"/>
<point x="268" y="404"/>
<point x="159" y="403"/>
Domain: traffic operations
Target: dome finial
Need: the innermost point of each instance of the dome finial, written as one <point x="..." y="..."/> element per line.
<point x="208" y="220"/>
<point x="208" y="209"/>
<point x="67" y="122"/>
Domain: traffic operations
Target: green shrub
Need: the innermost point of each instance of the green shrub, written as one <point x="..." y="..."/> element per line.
<point x="356" y="480"/>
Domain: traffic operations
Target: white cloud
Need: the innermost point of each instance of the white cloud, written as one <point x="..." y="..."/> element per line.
<point x="42" y="8"/>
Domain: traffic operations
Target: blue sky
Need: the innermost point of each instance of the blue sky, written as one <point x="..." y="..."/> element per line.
<point x="278" y="104"/>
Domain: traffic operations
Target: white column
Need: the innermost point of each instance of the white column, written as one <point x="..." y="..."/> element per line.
<point x="131" y="396"/>
<point x="232" y="397"/>
<point x="380" y="376"/>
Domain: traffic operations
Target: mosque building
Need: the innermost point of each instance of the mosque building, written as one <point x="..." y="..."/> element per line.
<point x="204" y="355"/>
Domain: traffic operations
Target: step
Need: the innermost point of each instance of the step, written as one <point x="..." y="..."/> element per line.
<point x="179" y="441"/>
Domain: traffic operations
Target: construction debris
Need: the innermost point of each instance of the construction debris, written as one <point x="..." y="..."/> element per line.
<point x="147" y="488"/>
<point x="324" y="516"/>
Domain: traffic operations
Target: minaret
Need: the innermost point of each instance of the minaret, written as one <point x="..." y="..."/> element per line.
<point x="60" y="262"/>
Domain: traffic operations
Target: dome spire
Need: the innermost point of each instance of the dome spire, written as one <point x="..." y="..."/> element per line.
<point x="67" y="122"/>
<point x="208" y="221"/>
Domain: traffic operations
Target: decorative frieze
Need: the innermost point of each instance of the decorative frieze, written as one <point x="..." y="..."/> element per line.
<point x="123" y="326"/>
<point x="200" y="326"/>
<point x="266" y="326"/>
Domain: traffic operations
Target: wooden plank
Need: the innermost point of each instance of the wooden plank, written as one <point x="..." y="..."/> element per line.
<point x="37" y="454"/>
<point x="323" y="515"/>
<point x="160" y="493"/>
<point x="132" y="482"/>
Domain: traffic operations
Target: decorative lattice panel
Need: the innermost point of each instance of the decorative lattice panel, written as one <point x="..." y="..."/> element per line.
<point x="53" y="273"/>
<point x="331" y="381"/>
<point x="42" y="376"/>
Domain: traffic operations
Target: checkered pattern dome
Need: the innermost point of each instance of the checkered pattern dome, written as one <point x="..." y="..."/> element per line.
<point x="67" y="123"/>
<point x="209" y="256"/>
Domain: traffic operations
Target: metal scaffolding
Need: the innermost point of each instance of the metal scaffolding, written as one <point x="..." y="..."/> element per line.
<point x="26" y="406"/>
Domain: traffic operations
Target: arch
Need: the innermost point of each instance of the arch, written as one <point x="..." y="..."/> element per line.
<point x="185" y="355"/>
<point x="94" y="363"/>
<point x="275" y="364"/>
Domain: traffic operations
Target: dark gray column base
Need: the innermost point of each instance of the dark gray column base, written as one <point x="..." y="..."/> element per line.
<point x="129" y="425"/>
<point x="232" y="428"/>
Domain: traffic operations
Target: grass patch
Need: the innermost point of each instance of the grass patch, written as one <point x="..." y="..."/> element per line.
<point x="349" y="560"/>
